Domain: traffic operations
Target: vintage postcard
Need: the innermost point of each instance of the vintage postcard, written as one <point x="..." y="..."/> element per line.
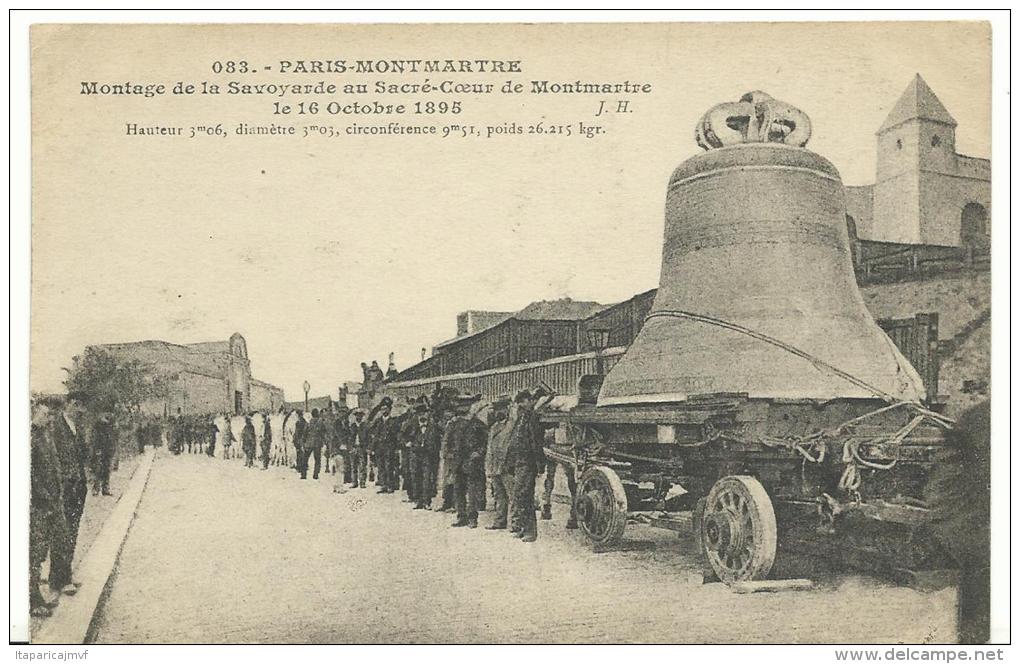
<point x="511" y="333"/>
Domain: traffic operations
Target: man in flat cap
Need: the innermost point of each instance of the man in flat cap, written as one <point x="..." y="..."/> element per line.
<point x="527" y="456"/>
<point x="500" y="474"/>
<point x="468" y="440"/>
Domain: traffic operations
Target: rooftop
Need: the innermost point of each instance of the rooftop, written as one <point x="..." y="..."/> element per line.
<point x="917" y="102"/>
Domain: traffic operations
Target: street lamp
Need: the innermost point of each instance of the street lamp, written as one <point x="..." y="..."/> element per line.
<point x="598" y="338"/>
<point x="307" y="387"/>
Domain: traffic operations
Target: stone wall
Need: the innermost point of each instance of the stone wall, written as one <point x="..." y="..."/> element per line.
<point x="963" y="303"/>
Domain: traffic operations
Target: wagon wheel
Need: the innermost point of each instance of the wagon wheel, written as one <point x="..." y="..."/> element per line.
<point x="738" y="530"/>
<point x="601" y="505"/>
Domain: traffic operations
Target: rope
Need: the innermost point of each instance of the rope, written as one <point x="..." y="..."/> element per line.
<point x="817" y="362"/>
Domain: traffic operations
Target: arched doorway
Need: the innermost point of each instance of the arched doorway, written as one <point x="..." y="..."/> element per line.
<point x="974" y="226"/>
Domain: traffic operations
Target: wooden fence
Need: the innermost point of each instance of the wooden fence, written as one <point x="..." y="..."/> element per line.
<point x="878" y="262"/>
<point x="917" y="339"/>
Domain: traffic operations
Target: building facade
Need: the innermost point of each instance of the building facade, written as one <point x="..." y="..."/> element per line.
<point x="205" y="378"/>
<point x="924" y="191"/>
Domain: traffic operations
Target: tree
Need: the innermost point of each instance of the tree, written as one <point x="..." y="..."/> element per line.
<point x="106" y="383"/>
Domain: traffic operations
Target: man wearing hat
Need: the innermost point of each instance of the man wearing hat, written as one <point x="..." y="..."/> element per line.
<point x="47" y="529"/>
<point x="248" y="442"/>
<point x="359" y="449"/>
<point x="527" y="455"/>
<point x="468" y="440"/>
<point x="447" y="476"/>
<point x="311" y="444"/>
<point x="210" y="431"/>
<point x="72" y="453"/>
<point x="499" y="473"/>
<point x="104" y="441"/>
<point x="424" y="448"/>
<point x="340" y="449"/>
<point x="405" y="438"/>
<point x="383" y="436"/>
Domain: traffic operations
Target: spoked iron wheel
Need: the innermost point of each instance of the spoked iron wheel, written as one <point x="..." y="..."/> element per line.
<point x="738" y="530"/>
<point x="601" y="505"/>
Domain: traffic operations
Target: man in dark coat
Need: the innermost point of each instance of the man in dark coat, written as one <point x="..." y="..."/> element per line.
<point x="339" y="450"/>
<point x="405" y="440"/>
<point x="469" y="439"/>
<point x="526" y="455"/>
<point x="959" y="494"/>
<point x="248" y="442"/>
<point x="177" y="433"/>
<point x="424" y="448"/>
<point x="210" y="431"/>
<point x="47" y="524"/>
<point x="359" y="450"/>
<point x="315" y="436"/>
<point x="104" y="442"/>
<point x="383" y="436"/>
<point x="69" y="441"/>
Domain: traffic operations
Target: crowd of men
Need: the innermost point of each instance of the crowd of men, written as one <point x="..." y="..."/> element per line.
<point x="62" y="458"/>
<point x="446" y="452"/>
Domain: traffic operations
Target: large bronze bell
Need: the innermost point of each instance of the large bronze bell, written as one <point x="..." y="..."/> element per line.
<point x="757" y="292"/>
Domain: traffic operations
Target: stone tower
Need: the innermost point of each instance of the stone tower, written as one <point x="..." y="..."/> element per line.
<point x="925" y="192"/>
<point x="917" y="139"/>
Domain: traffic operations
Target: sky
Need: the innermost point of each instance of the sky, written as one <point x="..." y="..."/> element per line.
<point x="325" y="253"/>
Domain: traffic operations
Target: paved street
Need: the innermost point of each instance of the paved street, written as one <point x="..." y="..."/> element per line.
<point x="220" y="553"/>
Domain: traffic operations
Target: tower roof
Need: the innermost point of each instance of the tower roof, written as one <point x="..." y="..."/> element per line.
<point x="917" y="102"/>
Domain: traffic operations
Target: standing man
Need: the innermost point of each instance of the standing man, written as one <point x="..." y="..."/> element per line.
<point x="424" y="448"/>
<point x="210" y="431"/>
<point x="528" y="457"/>
<point x="267" y="440"/>
<point x="178" y="434"/>
<point x="72" y="454"/>
<point x="46" y="510"/>
<point x="248" y="442"/>
<point x="496" y="468"/>
<point x="382" y="435"/>
<point x="469" y="442"/>
<point x="359" y="450"/>
<point x="104" y="441"/>
<point x="448" y="458"/>
<point x="314" y="437"/>
<point x="408" y="432"/>
<point x="141" y="433"/>
<point x="339" y="447"/>
<point x="298" y="438"/>
<point x="228" y="437"/>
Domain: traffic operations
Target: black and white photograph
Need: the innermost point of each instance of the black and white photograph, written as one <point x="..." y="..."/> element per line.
<point x="435" y="331"/>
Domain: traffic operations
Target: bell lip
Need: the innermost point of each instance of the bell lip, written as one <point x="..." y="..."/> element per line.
<point x="720" y="159"/>
<point x="680" y="398"/>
